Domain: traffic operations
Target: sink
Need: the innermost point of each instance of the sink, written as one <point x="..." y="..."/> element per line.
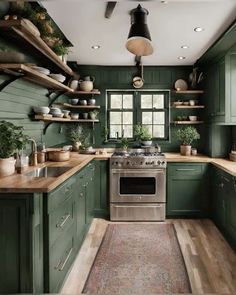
<point x="47" y="171"/>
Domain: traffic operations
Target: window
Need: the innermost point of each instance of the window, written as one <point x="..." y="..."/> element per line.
<point x="127" y="108"/>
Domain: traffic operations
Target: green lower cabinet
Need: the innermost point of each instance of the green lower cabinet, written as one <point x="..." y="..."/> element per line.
<point x="187" y="189"/>
<point x="223" y="210"/>
<point x="89" y="189"/>
<point x="21" y="243"/>
<point x="101" y="184"/>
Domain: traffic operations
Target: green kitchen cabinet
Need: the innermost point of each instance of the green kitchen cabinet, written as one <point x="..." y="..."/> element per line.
<point x="220" y="90"/>
<point x="187" y="189"/>
<point x="21" y="243"/>
<point x="89" y="190"/>
<point x="101" y="184"/>
<point x="223" y="209"/>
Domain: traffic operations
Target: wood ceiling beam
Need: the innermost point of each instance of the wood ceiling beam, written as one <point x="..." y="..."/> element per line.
<point x="110" y="8"/>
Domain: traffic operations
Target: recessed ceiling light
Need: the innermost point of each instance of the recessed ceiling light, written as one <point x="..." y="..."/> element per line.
<point x="185" y="46"/>
<point x="164" y="1"/>
<point x="198" y="29"/>
<point x="181" y="57"/>
<point x="95" y="46"/>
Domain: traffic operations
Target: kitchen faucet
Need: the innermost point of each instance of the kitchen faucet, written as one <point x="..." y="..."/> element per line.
<point x="33" y="156"/>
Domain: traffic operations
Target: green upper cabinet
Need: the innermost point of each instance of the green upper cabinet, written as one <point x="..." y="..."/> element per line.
<point x="220" y="90"/>
<point x="187" y="189"/>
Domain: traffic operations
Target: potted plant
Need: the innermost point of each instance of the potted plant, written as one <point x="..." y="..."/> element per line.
<point x="93" y="114"/>
<point x="11" y="140"/>
<point x="186" y="136"/>
<point x="124" y="143"/>
<point x="76" y="136"/>
<point x="142" y="134"/>
<point x="61" y="50"/>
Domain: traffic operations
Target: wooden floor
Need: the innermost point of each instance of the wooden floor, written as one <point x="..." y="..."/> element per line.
<point x="210" y="262"/>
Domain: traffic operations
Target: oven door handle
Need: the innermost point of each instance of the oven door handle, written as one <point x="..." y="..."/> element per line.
<point x="136" y="206"/>
<point x="138" y="171"/>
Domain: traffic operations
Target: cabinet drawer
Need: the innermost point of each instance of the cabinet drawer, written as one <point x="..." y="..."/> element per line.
<point x="61" y="219"/>
<point x="185" y="168"/>
<point x="61" y="256"/>
<point x="60" y="194"/>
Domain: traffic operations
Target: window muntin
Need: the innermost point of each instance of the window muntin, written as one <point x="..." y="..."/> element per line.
<point x="127" y="108"/>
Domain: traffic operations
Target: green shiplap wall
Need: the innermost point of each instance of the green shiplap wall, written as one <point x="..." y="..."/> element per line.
<point x="16" y="102"/>
<point x="120" y="77"/>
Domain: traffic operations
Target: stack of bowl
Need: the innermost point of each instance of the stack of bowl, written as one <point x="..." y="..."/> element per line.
<point x="41" y="110"/>
<point x="56" y="112"/>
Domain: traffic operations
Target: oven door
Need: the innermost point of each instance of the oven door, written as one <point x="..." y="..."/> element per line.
<point x="137" y="185"/>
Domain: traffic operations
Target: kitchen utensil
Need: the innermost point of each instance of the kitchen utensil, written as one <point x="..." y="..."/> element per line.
<point x="192" y="102"/>
<point x="83" y="102"/>
<point x="41" y="110"/>
<point x="192" y="118"/>
<point x="74" y="101"/>
<point x="89" y="78"/>
<point x="41" y="70"/>
<point x="186" y="103"/>
<point x="85" y="115"/>
<point x="65" y="112"/>
<point x="74" y="84"/>
<point x="58" y="155"/>
<point x="92" y="101"/>
<point x="193" y="151"/>
<point x="58" y="115"/>
<point x="74" y="116"/>
<point x="181" y="84"/>
<point x="177" y="103"/>
<point x="85" y="85"/>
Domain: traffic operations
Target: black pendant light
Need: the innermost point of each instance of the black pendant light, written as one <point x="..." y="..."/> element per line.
<point x="139" y="39"/>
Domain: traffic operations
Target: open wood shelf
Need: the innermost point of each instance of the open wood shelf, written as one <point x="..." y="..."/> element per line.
<point x="91" y="107"/>
<point x="21" y="33"/>
<point x="188" y="107"/>
<point x="187" y="122"/>
<point x="54" y="119"/>
<point x="34" y="76"/>
<point x="189" y="91"/>
<point x="87" y="92"/>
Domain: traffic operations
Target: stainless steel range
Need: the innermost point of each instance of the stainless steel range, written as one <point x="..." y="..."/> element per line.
<point x="137" y="186"/>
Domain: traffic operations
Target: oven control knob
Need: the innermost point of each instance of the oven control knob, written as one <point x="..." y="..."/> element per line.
<point x="163" y="162"/>
<point x="159" y="162"/>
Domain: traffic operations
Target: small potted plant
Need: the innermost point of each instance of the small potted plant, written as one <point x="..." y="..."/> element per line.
<point x="142" y="134"/>
<point x="61" y="50"/>
<point x="11" y="140"/>
<point x="124" y="143"/>
<point x="76" y="136"/>
<point x="93" y="115"/>
<point x="186" y="136"/>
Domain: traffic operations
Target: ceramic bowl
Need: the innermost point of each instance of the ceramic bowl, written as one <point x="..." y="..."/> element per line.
<point x="74" y="101"/>
<point x="83" y="102"/>
<point x="66" y="112"/>
<point x="58" y="115"/>
<point x="192" y="118"/>
<point x="92" y="101"/>
<point x="85" y="115"/>
<point x="41" y="110"/>
<point x="58" y="77"/>
<point x="74" y="116"/>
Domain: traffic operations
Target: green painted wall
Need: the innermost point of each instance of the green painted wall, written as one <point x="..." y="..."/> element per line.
<point x="120" y="77"/>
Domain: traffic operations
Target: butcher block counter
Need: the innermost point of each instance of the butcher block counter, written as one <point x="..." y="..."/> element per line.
<point x="21" y="183"/>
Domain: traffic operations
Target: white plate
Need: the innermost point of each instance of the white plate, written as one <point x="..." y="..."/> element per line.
<point x="58" y="77"/>
<point x="181" y="85"/>
<point x="41" y="70"/>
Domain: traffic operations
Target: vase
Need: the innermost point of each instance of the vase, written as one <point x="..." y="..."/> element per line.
<point x="7" y="166"/>
<point x="76" y="145"/>
<point x="185" y="150"/>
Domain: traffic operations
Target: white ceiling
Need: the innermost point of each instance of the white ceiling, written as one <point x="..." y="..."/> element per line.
<point x="171" y="25"/>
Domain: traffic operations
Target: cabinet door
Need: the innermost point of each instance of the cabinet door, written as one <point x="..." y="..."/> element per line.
<point x="231" y="213"/>
<point x="89" y="192"/>
<point x="231" y="86"/>
<point x="186" y="190"/>
<point x="218" y="205"/>
<point x="80" y="209"/>
<point x="101" y="185"/>
<point x="21" y="241"/>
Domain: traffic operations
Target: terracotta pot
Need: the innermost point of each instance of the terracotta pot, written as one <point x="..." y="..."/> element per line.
<point x="7" y="166"/>
<point x="185" y="150"/>
<point x="59" y="156"/>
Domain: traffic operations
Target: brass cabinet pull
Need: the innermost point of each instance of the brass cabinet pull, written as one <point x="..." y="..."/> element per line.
<point x="64" y="218"/>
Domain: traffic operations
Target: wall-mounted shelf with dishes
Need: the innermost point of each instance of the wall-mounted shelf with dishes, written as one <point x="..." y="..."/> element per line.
<point x="28" y="73"/>
<point x="189" y="91"/>
<point x="90" y="107"/>
<point x="188" y="107"/>
<point x="93" y="92"/>
<point x="20" y="32"/>
<point x="54" y="119"/>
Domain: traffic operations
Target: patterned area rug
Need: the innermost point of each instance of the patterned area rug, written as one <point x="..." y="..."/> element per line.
<point x="138" y="259"/>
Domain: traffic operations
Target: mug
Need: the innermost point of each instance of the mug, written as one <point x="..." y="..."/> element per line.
<point x="192" y="102"/>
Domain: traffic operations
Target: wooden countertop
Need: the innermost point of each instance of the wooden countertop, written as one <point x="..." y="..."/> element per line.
<point x="26" y="184"/>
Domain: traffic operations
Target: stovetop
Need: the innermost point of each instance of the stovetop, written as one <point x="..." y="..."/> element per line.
<point x="137" y="159"/>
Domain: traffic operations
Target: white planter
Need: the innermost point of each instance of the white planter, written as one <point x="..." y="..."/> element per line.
<point x="7" y="166"/>
<point x="146" y="142"/>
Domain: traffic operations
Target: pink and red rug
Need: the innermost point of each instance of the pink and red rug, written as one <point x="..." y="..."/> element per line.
<point x="138" y="259"/>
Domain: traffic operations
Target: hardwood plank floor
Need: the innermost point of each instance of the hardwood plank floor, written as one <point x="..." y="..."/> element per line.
<point x="210" y="261"/>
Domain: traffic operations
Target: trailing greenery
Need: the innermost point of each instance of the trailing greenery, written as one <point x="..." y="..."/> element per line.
<point x="60" y="49"/>
<point x="187" y="135"/>
<point x="142" y="133"/>
<point x="11" y="139"/>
